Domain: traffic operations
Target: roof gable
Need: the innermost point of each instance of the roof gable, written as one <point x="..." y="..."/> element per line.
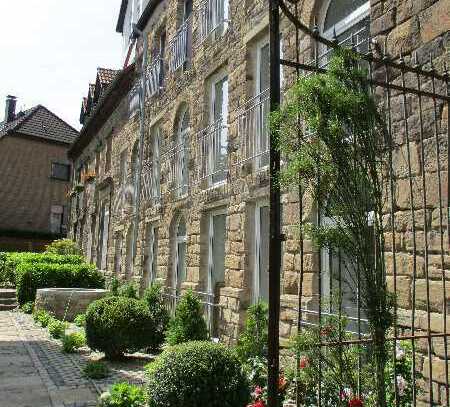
<point x="41" y="123"/>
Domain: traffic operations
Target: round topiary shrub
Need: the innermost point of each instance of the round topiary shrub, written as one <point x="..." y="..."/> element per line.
<point x="196" y="374"/>
<point x="118" y="325"/>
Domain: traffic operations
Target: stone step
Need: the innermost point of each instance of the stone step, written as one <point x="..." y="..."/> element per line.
<point x="9" y="307"/>
<point x="7" y="301"/>
<point x="7" y="293"/>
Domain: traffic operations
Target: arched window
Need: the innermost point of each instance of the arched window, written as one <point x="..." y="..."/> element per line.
<point x="181" y="153"/>
<point x="349" y="20"/>
<point x="180" y="254"/>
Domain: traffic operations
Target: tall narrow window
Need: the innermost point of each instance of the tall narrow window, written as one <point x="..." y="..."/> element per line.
<point x="151" y="262"/>
<point x="219" y="139"/>
<point x="181" y="154"/>
<point x="261" y="262"/>
<point x="156" y="164"/>
<point x="262" y="86"/>
<point x="180" y="255"/>
<point x="216" y="267"/>
<point x="102" y="247"/>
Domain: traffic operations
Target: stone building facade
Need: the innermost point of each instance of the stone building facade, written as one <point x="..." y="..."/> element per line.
<point x="203" y="219"/>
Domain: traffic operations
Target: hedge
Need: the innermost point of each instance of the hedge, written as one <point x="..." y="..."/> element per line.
<point x="31" y="276"/>
<point x="10" y="261"/>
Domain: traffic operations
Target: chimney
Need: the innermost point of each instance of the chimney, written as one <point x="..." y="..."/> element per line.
<point x="10" y="108"/>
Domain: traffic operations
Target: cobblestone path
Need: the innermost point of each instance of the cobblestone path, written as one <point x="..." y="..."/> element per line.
<point x="35" y="373"/>
<point x="33" y="370"/>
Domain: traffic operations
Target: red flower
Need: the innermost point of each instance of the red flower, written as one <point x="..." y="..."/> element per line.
<point x="303" y="363"/>
<point x="282" y="383"/>
<point x="355" y="402"/>
<point x="258" y="403"/>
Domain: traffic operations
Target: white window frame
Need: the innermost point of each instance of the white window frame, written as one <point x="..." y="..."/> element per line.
<point x="257" y="248"/>
<point x="215" y="79"/>
<point x="177" y="240"/>
<point x="210" y="289"/>
<point x="352" y="19"/>
<point x="151" y="252"/>
<point x="259" y="92"/>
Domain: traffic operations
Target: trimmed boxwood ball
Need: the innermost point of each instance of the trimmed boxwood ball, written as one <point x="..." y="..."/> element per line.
<point x="196" y="374"/>
<point x="118" y="325"/>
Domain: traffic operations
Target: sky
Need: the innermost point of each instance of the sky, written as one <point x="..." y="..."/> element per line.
<point x="50" y="51"/>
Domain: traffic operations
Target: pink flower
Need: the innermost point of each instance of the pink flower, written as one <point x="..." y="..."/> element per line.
<point x="303" y="363"/>
<point x="258" y="391"/>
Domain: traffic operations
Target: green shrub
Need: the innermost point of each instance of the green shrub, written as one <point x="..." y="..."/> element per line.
<point x="31" y="276"/>
<point x="73" y="341"/>
<point x="197" y="374"/>
<point x="56" y="328"/>
<point x="114" y="285"/>
<point x="155" y="303"/>
<point x="123" y="395"/>
<point x="80" y="320"/>
<point x="188" y="323"/>
<point x="42" y="317"/>
<point x="96" y="370"/>
<point x="252" y="342"/>
<point x="116" y="325"/>
<point x="63" y="246"/>
<point x="128" y="290"/>
<point x="11" y="261"/>
<point x="28" y="307"/>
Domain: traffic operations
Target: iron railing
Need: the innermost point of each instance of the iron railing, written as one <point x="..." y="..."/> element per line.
<point x="155" y="75"/>
<point x="212" y="157"/>
<point x="253" y="130"/>
<point x="175" y="169"/>
<point x="180" y="46"/>
<point x="413" y="100"/>
<point x="150" y="191"/>
<point x="210" y="306"/>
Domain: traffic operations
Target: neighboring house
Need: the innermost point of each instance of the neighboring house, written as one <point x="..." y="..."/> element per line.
<point x="34" y="177"/>
<point x="204" y="202"/>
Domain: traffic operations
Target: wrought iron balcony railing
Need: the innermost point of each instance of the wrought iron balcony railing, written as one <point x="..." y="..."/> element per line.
<point x="155" y="76"/>
<point x="212" y="17"/>
<point x="150" y="188"/>
<point x="253" y="130"/>
<point x="174" y="169"/>
<point x="180" y="46"/>
<point x="212" y="153"/>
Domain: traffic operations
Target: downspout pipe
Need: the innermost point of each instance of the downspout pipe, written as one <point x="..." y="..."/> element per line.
<point x="137" y="187"/>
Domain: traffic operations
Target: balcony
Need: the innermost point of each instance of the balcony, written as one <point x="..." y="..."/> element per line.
<point x="155" y="76"/>
<point x="253" y="130"/>
<point x="213" y="16"/>
<point x="150" y="188"/>
<point x="212" y="157"/>
<point x="180" y="46"/>
<point x="174" y="168"/>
